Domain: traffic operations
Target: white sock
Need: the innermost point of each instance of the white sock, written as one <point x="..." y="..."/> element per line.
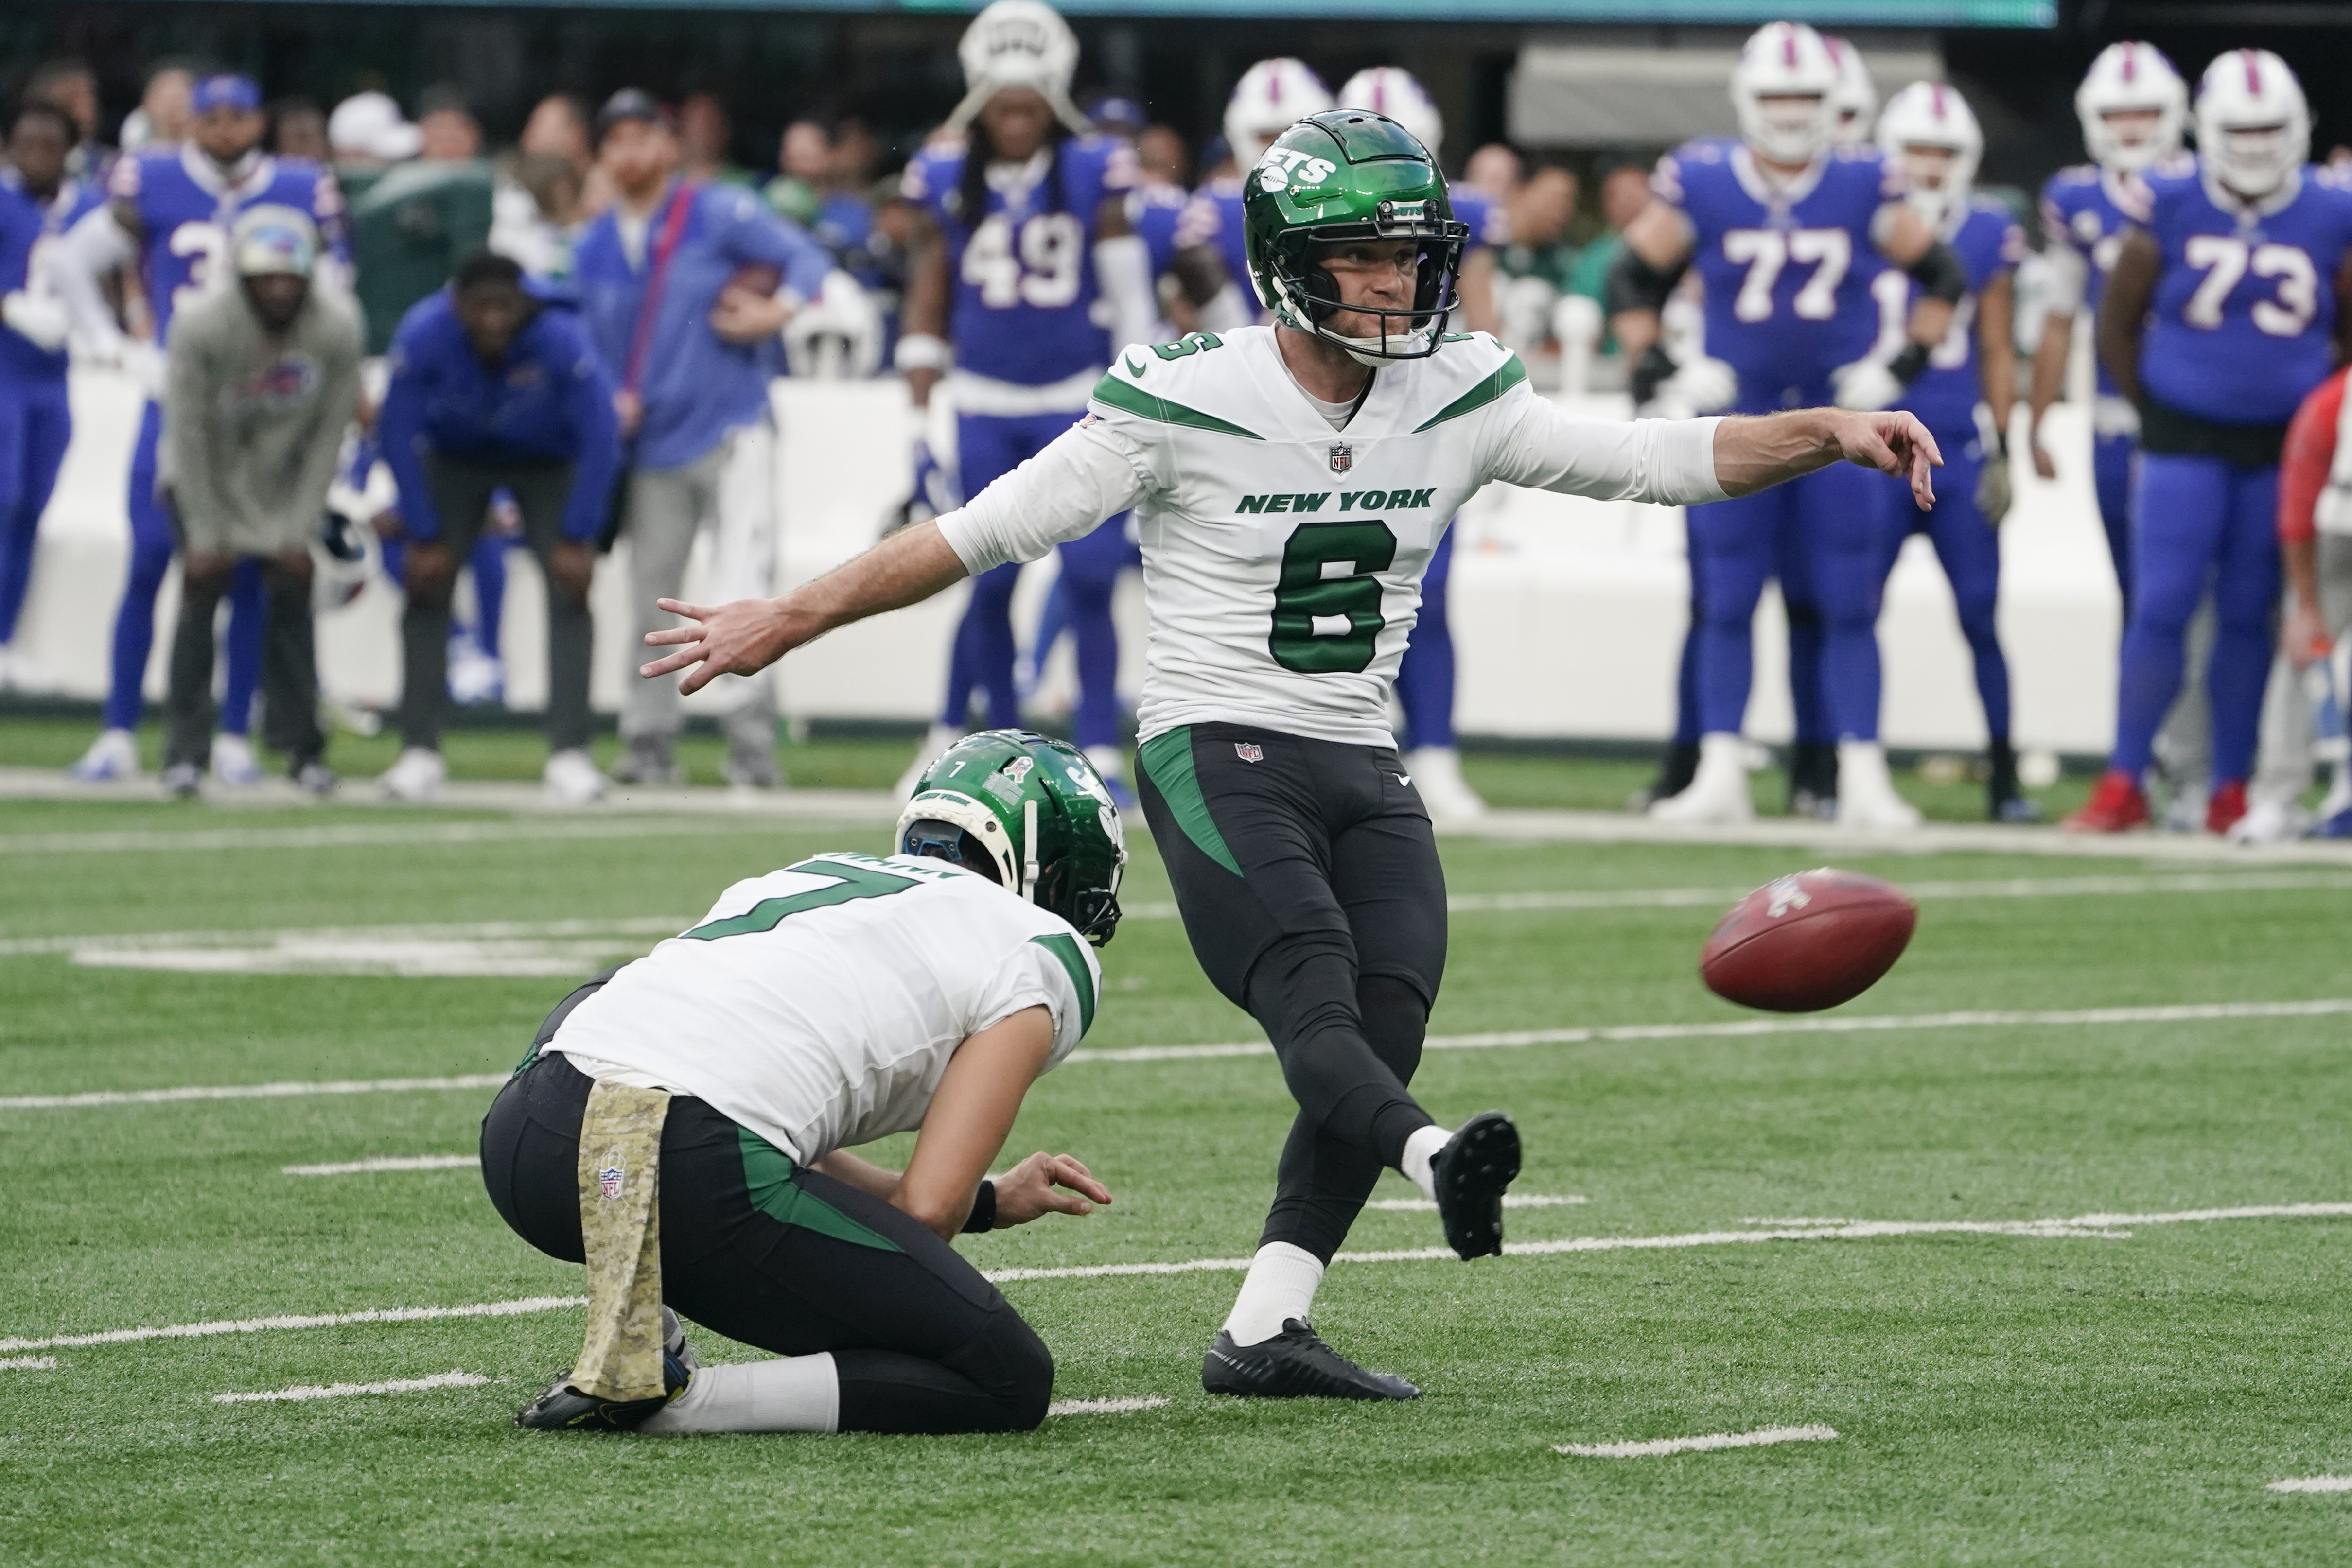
<point x="1280" y="1285"/>
<point x="790" y="1394"/>
<point x="1421" y="1156"/>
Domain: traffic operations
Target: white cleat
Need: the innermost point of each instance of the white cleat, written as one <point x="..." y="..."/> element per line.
<point x="234" y="764"/>
<point x="939" y="739"/>
<point x="1436" y="772"/>
<point x="415" y="775"/>
<point x="18" y="673"/>
<point x="1866" y="797"/>
<point x="572" y="777"/>
<point x="2270" y="823"/>
<point x="1717" y="793"/>
<point x="112" y="757"/>
<point x="475" y="679"/>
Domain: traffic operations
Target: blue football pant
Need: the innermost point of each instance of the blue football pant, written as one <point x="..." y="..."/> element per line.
<point x="2111" y="472"/>
<point x="989" y="446"/>
<point x="1970" y="551"/>
<point x="1804" y="622"/>
<point x="1736" y="545"/>
<point x="2196" y="520"/>
<point x="35" y="427"/>
<point x="151" y="548"/>
<point x="1424" y="684"/>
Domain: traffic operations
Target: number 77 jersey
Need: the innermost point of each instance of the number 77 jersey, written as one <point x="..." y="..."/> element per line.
<point x="1786" y="263"/>
<point x="2241" y="326"/>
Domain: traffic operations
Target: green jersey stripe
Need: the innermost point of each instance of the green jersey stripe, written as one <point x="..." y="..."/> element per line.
<point x="1132" y="399"/>
<point x="1167" y="758"/>
<point x="1082" y="980"/>
<point x="1509" y="375"/>
<point x="767" y="1177"/>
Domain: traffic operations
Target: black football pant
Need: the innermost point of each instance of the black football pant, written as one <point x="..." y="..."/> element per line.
<point x="1308" y="880"/>
<point x="766" y="1252"/>
<point x="290" y="671"/>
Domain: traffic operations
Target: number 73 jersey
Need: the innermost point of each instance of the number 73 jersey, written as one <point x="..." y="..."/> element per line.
<point x="2240" y="329"/>
<point x="1786" y="263"/>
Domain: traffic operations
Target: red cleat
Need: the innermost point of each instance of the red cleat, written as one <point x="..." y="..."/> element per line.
<point x="2225" y="806"/>
<point x="2116" y="806"/>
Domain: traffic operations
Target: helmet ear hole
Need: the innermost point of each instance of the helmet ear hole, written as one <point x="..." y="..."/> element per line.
<point x="936" y="840"/>
<point x="1322" y="292"/>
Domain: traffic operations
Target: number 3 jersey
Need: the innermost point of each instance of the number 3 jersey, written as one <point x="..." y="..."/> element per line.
<point x="818" y="1005"/>
<point x="1786" y="263"/>
<point x="1026" y="293"/>
<point x="187" y="205"/>
<point x="1283" y="557"/>
<point x="2240" y="329"/>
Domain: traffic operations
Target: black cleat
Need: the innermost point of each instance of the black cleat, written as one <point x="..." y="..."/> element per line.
<point x="563" y="1408"/>
<point x="1470" y="1172"/>
<point x="1294" y="1365"/>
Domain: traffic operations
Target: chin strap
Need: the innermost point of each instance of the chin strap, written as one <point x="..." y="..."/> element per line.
<point x="1029" y="849"/>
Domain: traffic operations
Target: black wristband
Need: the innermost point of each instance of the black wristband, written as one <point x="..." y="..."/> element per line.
<point x="1655" y="367"/>
<point x="1905" y="366"/>
<point x="983" y="1208"/>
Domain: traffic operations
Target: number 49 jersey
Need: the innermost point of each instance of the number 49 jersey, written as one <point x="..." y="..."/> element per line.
<point x="2240" y="326"/>
<point x="186" y="207"/>
<point x="1026" y="290"/>
<point x="1787" y="265"/>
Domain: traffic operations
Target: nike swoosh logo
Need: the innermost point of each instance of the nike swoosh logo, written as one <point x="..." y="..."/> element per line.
<point x="1405" y="779"/>
<point x="1133" y="369"/>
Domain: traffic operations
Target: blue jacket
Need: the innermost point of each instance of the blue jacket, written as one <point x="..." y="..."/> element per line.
<point x="697" y="386"/>
<point x="550" y="400"/>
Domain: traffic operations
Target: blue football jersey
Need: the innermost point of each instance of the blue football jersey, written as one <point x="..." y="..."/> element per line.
<point x="1154" y="211"/>
<point x="1023" y="275"/>
<point x="1786" y="267"/>
<point x="2240" y="329"/>
<point x="1489" y="224"/>
<point x="27" y="223"/>
<point x="1988" y="242"/>
<point x="2086" y="209"/>
<point x="1214" y="217"/>
<point x="186" y="207"/>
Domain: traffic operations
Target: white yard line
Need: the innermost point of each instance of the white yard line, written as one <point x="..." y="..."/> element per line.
<point x="345" y="1390"/>
<point x="1510" y="1200"/>
<point x="29" y="1364"/>
<point x="2313" y="1483"/>
<point x="2108" y="1226"/>
<point x="1122" y="1405"/>
<point x="370" y="835"/>
<point x="246" y="1091"/>
<point x="387" y="1163"/>
<point x="1842" y="1023"/>
<point x="1707" y="1444"/>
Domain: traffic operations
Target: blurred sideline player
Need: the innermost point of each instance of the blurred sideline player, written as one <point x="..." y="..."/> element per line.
<point x="1282" y="588"/>
<point x="1785" y="229"/>
<point x="1964" y="396"/>
<point x="39" y="201"/>
<point x="1425" y="680"/>
<point x="2133" y="105"/>
<point x="2315" y="525"/>
<point x="1698" y="383"/>
<point x="1213" y="249"/>
<point x="1026" y="260"/>
<point x="2220" y="315"/>
<point x="168" y="212"/>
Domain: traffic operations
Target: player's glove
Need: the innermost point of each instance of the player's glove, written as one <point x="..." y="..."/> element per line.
<point x="39" y="320"/>
<point x="1994" y="494"/>
<point x="1655" y="368"/>
<point x="1865" y="384"/>
<point x="1704" y="385"/>
<point x="934" y="490"/>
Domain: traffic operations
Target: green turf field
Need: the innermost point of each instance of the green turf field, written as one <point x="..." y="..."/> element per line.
<point x="2119" y="1390"/>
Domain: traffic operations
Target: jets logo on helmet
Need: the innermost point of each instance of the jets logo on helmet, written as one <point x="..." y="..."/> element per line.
<point x="2133" y="106"/>
<point x="1783" y="91"/>
<point x="1015" y="44"/>
<point x="2253" y="128"/>
<point x="1394" y="91"/>
<point x="1856" y="97"/>
<point x="1929" y="130"/>
<point x="1272" y="96"/>
<point x="1378" y="183"/>
<point x="1032" y="816"/>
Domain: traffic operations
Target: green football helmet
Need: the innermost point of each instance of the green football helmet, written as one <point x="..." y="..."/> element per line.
<point x="1032" y="815"/>
<point x="1351" y="175"/>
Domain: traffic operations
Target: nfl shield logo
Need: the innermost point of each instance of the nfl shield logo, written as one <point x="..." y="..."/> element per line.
<point x="1343" y="457"/>
<point x="1249" y="751"/>
<point x="608" y="1181"/>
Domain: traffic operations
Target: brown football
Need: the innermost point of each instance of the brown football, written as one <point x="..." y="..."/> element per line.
<point x="1802" y="942"/>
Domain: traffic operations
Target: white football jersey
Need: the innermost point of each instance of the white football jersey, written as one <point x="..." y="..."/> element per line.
<point x="1283" y="559"/>
<point x="818" y="1005"/>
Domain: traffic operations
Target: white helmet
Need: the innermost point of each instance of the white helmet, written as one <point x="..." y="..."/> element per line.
<point x="1271" y="97"/>
<point x="1019" y="42"/>
<point x="2131" y="78"/>
<point x="1856" y="99"/>
<point x="2253" y="128"/>
<point x="1786" y="60"/>
<point x="1928" y="114"/>
<point x="1392" y="90"/>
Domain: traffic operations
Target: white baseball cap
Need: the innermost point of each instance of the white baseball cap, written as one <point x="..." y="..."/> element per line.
<point x="370" y="125"/>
